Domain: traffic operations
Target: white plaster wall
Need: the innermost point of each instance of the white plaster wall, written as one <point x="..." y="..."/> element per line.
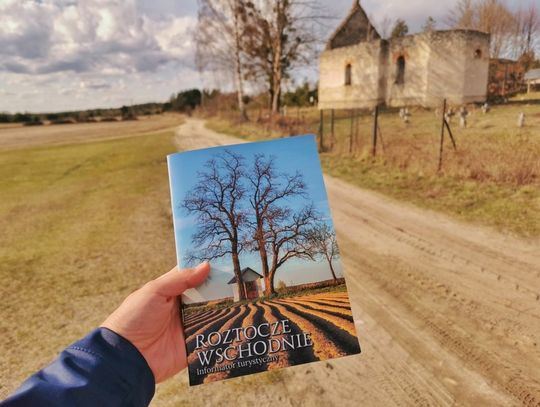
<point x="415" y="49"/>
<point x="446" y="69"/>
<point x="365" y="68"/>
<point x="439" y="65"/>
<point x="476" y="69"/>
<point x="454" y="71"/>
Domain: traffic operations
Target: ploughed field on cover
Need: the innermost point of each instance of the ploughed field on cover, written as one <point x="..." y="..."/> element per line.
<point x="327" y="317"/>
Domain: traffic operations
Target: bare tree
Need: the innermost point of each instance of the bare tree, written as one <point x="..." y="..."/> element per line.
<point x="386" y="27"/>
<point x="495" y="18"/>
<point x="215" y="201"/>
<point x="324" y="243"/>
<point x="429" y="25"/>
<point x="282" y="35"/>
<point x="490" y="16"/>
<point x="462" y="15"/>
<point x="526" y="35"/>
<point x="280" y="233"/>
<point x="400" y="29"/>
<point x="220" y="39"/>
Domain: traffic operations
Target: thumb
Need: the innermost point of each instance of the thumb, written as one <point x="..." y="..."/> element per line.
<point x="176" y="281"/>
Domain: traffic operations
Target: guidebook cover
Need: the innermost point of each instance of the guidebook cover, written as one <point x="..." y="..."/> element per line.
<point x="276" y="295"/>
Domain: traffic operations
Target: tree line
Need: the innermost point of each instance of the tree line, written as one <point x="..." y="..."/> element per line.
<point x="244" y="207"/>
<point x="514" y="33"/>
<point x="183" y="101"/>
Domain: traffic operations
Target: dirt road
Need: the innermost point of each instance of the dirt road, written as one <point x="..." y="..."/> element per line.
<point x="447" y="313"/>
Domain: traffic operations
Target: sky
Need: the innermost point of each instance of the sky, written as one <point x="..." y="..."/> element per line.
<point x="58" y="55"/>
<point x="184" y="168"/>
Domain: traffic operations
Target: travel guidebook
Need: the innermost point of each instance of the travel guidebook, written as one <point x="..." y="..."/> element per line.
<point x="276" y="294"/>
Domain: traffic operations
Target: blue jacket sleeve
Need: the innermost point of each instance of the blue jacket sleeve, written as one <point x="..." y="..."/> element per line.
<point x="102" y="369"/>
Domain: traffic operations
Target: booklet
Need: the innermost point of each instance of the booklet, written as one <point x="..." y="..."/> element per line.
<point x="276" y="295"/>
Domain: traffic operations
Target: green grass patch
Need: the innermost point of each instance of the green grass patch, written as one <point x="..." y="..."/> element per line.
<point x="510" y="208"/>
<point x="83" y="225"/>
<point x="74" y="195"/>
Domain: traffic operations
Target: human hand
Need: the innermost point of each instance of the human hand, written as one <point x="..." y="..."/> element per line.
<point x="150" y="319"/>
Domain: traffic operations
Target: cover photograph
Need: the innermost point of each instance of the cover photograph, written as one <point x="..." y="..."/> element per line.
<point x="276" y="295"/>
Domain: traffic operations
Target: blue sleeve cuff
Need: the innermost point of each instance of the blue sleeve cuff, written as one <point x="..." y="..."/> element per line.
<point x="101" y="369"/>
<point x="124" y="359"/>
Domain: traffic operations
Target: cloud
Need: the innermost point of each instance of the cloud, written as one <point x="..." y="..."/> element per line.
<point x="74" y="65"/>
<point x="54" y="45"/>
<point x="14" y="67"/>
<point x="25" y="29"/>
<point x="98" y="85"/>
<point x="88" y="36"/>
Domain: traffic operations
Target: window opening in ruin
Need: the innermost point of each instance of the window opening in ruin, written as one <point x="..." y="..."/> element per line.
<point x="348" y="75"/>
<point x="400" y="74"/>
<point x="478" y="54"/>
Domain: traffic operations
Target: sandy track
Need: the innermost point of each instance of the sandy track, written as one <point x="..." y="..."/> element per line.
<point x="447" y="313"/>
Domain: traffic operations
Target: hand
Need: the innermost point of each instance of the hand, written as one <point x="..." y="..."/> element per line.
<point x="150" y="319"/>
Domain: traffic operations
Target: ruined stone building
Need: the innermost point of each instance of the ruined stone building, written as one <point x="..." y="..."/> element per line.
<point x="359" y="69"/>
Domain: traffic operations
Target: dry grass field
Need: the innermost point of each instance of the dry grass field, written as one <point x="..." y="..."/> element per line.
<point x="4" y="126"/>
<point x="84" y="223"/>
<point x="493" y="178"/>
<point x="13" y="136"/>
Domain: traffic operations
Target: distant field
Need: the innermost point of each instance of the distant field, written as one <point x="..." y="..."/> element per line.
<point x="492" y="179"/>
<point x="16" y="136"/>
<point x="82" y="225"/>
<point x="5" y="126"/>
<point x="527" y="96"/>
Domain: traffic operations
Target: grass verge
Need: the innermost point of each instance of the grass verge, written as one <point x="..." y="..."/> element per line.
<point x="493" y="179"/>
<point x="83" y="225"/>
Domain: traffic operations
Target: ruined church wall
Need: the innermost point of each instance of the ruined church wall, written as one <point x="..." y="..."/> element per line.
<point x="458" y="67"/>
<point x="476" y="68"/>
<point x="442" y="64"/>
<point x="366" y="70"/>
<point x="446" y="68"/>
<point x="415" y="50"/>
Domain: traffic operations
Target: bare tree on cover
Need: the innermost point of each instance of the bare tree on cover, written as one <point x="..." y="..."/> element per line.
<point x="280" y="233"/>
<point x="216" y="202"/>
<point x="220" y="37"/>
<point x="324" y="243"/>
<point x="281" y="36"/>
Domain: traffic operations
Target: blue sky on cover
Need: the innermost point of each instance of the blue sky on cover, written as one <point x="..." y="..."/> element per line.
<point x="60" y="55"/>
<point x="291" y="155"/>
